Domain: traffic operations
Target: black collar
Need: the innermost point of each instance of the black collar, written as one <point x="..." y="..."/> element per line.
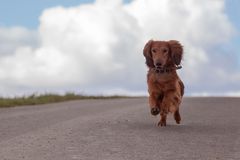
<point x="166" y="69"/>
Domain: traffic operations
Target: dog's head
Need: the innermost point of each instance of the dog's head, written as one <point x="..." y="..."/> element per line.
<point x="163" y="53"/>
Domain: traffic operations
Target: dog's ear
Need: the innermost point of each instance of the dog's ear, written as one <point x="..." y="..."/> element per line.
<point x="147" y="53"/>
<point x="176" y="51"/>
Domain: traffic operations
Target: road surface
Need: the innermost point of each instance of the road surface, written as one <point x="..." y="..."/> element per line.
<point x="121" y="129"/>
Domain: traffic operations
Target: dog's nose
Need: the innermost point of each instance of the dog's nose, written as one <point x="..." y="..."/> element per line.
<point x="158" y="64"/>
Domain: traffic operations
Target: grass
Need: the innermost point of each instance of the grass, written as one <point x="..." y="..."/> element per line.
<point x="47" y="98"/>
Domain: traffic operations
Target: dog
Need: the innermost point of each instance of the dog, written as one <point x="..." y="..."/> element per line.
<point x="165" y="88"/>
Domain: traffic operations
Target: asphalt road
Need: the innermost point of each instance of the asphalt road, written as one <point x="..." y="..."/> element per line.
<point x="121" y="129"/>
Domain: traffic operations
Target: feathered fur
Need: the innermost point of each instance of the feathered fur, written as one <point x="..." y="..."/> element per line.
<point x="165" y="88"/>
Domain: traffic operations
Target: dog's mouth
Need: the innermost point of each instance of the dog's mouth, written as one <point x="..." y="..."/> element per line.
<point x="159" y="67"/>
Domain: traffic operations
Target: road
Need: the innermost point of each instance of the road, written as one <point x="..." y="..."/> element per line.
<point x="121" y="129"/>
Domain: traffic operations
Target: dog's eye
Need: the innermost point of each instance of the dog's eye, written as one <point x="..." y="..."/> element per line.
<point x="164" y="50"/>
<point x="154" y="50"/>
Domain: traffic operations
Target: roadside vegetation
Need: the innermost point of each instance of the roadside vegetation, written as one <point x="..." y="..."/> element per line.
<point x="47" y="98"/>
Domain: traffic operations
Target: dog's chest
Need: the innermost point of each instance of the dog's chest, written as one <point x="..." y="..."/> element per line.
<point x="160" y="79"/>
<point x="161" y="82"/>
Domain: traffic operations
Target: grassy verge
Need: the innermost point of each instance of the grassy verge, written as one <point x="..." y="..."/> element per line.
<point x="47" y="98"/>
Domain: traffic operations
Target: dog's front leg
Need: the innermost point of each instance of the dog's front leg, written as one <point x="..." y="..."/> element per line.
<point x="170" y="103"/>
<point x="163" y="119"/>
<point x="153" y="104"/>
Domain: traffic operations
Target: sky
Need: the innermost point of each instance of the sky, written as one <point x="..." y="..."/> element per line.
<point x="95" y="47"/>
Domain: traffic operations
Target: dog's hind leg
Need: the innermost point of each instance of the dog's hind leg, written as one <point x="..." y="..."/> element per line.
<point x="177" y="116"/>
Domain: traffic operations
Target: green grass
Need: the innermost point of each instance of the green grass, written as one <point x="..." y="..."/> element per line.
<point x="47" y="98"/>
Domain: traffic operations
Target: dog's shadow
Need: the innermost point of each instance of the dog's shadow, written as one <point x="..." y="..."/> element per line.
<point x="184" y="128"/>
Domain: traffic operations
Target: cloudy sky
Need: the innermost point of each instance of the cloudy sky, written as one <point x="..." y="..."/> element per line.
<point x="95" y="47"/>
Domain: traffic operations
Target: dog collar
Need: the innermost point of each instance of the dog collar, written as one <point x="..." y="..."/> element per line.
<point x="166" y="69"/>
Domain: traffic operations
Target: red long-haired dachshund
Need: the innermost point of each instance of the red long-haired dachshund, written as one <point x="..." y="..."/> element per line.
<point x="165" y="87"/>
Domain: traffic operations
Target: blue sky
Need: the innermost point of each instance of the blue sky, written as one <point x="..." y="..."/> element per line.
<point x="232" y="9"/>
<point x="26" y="12"/>
<point x="233" y="12"/>
<point x="21" y="32"/>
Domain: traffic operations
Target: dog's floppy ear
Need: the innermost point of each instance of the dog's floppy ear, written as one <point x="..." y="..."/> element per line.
<point x="176" y="51"/>
<point x="147" y="54"/>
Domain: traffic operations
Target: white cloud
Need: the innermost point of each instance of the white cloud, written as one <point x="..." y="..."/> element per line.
<point x="97" y="48"/>
<point x="14" y="37"/>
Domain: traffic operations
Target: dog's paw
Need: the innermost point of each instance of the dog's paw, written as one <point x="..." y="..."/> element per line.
<point x="178" y="120"/>
<point x="155" y="111"/>
<point x="162" y="123"/>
